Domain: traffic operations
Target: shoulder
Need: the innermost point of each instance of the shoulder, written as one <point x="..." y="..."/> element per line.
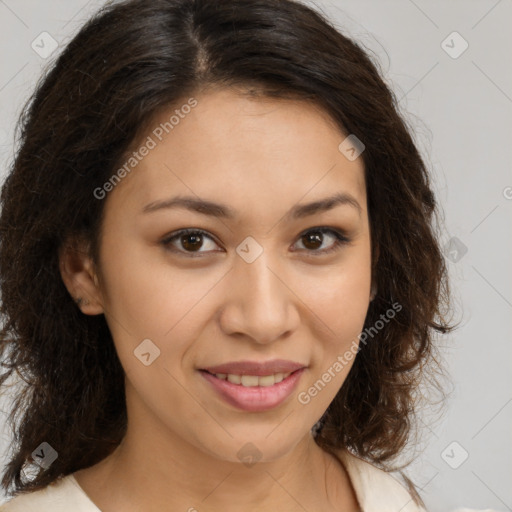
<point x="379" y="491"/>
<point x="60" y="496"/>
<point x="376" y="489"/>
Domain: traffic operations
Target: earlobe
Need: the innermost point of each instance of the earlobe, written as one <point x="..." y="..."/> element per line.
<point x="375" y="259"/>
<point x="373" y="292"/>
<point x="79" y="277"/>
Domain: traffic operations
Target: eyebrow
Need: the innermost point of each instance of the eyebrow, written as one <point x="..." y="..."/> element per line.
<point x="218" y="210"/>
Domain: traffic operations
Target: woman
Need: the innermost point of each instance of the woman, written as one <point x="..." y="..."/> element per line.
<point x="220" y="275"/>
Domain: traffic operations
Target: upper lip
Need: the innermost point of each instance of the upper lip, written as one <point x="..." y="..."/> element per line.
<point x="258" y="368"/>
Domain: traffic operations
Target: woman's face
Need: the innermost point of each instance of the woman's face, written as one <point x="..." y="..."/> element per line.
<point x="258" y="283"/>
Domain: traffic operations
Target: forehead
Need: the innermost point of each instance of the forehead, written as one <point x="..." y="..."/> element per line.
<point x="242" y="151"/>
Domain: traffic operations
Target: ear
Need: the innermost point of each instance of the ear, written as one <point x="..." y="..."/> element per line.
<point x="373" y="291"/>
<point x="375" y="259"/>
<point x="79" y="276"/>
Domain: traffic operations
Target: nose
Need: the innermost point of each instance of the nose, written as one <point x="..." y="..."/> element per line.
<point x="260" y="304"/>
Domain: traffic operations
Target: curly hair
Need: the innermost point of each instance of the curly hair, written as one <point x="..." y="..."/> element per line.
<point x="127" y="63"/>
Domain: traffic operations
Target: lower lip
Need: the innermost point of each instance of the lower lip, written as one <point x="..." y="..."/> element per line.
<point x="256" y="398"/>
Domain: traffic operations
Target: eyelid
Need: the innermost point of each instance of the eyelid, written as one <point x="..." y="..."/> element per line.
<point x="341" y="239"/>
<point x="166" y="241"/>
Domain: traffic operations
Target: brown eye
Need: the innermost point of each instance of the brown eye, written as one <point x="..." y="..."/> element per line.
<point x="190" y="240"/>
<point x="314" y="238"/>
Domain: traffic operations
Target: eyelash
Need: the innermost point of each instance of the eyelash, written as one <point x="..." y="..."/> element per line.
<point x="340" y="241"/>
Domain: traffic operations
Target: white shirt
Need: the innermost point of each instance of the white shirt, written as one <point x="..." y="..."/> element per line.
<point x="376" y="491"/>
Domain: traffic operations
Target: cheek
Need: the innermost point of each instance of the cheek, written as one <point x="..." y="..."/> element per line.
<point x="339" y="307"/>
<point x="149" y="299"/>
<point x="144" y="291"/>
<point x="340" y="297"/>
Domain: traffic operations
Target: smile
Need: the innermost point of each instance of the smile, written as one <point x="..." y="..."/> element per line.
<point x="253" y="393"/>
<point x="250" y="381"/>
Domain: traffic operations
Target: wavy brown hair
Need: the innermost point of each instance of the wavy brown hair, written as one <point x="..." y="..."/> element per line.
<point x="127" y="63"/>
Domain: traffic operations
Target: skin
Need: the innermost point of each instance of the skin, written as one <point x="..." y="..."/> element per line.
<point x="260" y="157"/>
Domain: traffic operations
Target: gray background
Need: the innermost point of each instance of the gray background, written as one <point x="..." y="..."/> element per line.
<point x="460" y="109"/>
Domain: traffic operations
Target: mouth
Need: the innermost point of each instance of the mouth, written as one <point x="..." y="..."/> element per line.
<point x="254" y="393"/>
<point x="251" y="381"/>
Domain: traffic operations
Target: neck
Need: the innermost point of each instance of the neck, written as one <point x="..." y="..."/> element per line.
<point x="162" y="471"/>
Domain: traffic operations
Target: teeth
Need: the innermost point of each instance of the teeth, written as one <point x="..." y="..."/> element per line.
<point x="267" y="380"/>
<point x="250" y="381"/>
<point x="234" y="379"/>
